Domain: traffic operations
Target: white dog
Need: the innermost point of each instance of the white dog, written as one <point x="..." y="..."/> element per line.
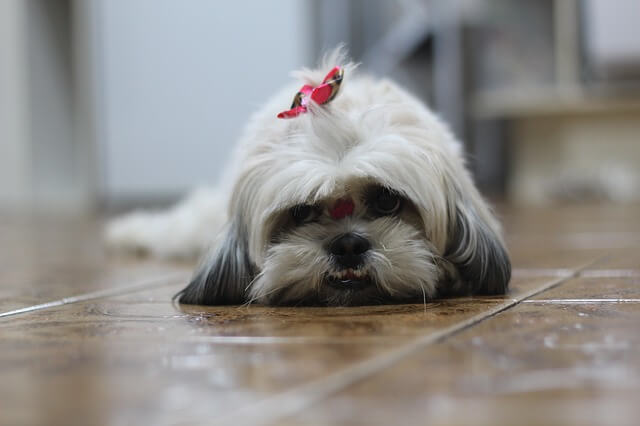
<point x="360" y="197"/>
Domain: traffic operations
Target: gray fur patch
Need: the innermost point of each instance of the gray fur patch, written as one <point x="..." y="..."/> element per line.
<point x="223" y="276"/>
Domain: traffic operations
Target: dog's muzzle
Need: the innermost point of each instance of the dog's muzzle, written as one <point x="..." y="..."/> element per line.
<point x="349" y="252"/>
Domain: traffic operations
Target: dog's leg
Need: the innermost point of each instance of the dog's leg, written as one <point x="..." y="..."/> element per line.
<point x="183" y="231"/>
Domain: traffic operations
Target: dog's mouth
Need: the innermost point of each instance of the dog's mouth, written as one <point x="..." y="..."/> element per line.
<point x="349" y="279"/>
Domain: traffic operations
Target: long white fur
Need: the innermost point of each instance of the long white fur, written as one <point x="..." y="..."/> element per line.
<point x="184" y="231"/>
<point x="373" y="131"/>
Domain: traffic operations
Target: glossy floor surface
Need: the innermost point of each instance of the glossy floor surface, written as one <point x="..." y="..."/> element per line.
<point x="89" y="339"/>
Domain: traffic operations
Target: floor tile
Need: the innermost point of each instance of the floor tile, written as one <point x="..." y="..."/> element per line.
<point x="141" y="320"/>
<point x="533" y="364"/>
<point x="546" y="258"/>
<point x="569" y="219"/>
<point x="137" y="356"/>
<point x="586" y="288"/>
<point x="108" y="380"/>
<point x="523" y="284"/>
<point x="50" y="259"/>
<point x="616" y="262"/>
<point x="105" y="356"/>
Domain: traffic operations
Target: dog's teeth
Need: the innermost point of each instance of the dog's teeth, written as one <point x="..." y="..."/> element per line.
<point x="349" y="273"/>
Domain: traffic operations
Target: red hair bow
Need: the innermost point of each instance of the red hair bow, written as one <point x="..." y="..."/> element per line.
<point x="321" y="95"/>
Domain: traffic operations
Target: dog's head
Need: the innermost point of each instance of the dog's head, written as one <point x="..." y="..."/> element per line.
<point x="364" y="200"/>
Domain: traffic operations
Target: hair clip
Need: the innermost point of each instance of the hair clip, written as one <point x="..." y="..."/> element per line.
<point x="321" y="94"/>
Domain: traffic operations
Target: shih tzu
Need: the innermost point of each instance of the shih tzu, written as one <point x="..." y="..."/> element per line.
<point x="358" y="194"/>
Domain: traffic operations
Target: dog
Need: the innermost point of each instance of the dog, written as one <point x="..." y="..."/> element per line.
<point x="356" y="195"/>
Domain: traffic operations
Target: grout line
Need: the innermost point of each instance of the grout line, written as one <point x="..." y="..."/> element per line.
<point x="543" y="272"/>
<point x="289" y="340"/>
<point x="142" y="285"/>
<point x="298" y="398"/>
<point x="610" y="273"/>
<point x="580" y="301"/>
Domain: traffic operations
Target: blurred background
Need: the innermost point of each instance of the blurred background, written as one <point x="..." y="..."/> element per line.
<point x="113" y="104"/>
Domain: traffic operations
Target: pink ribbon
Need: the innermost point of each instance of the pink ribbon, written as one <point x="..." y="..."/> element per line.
<point x="321" y="94"/>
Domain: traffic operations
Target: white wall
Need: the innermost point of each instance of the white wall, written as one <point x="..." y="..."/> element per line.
<point x="15" y="180"/>
<point x="611" y="36"/>
<point x="177" y="80"/>
<point x="58" y="178"/>
<point x="41" y="162"/>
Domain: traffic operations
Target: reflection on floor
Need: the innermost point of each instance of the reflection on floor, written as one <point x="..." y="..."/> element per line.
<point x="88" y="339"/>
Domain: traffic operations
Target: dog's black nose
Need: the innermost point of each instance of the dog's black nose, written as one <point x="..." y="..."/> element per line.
<point x="349" y="249"/>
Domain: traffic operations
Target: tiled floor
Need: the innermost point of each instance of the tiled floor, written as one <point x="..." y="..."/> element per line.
<point x="90" y="339"/>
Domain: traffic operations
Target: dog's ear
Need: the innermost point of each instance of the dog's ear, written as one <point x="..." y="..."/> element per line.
<point x="476" y="249"/>
<point x="224" y="275"/>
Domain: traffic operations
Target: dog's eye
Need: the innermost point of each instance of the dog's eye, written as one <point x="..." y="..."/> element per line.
<point x="304" y="213"/>
<point x="386" y="202"/>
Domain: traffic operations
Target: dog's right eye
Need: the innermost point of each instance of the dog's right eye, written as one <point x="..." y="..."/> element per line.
<point x="384" y="202"/>
<point x="304" y="213"/>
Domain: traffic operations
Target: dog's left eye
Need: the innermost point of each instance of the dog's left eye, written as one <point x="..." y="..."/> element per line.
<point x="304" y="213"/>
<point x="386" y="202"/>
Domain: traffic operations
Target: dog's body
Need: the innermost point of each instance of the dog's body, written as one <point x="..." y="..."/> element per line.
<point x="363" y="200"/>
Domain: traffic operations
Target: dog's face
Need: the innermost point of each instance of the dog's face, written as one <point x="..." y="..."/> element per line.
<point x="363" y="245"/>
<point x="362" y="201"/>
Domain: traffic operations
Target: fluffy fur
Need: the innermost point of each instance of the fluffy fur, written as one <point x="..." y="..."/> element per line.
<point x="443" y="240"/>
